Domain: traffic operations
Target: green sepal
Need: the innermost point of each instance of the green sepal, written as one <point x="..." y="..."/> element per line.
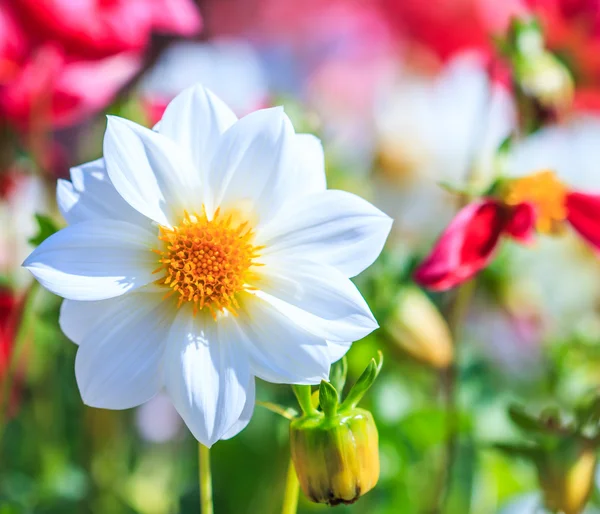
<point x="328" y="399"/>
<point x="337" y="375"/>
<point x="46" y="227"/>
<point x="364" y="382"/>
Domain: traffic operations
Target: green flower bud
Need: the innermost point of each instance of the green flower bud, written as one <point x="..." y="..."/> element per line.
<point x="336" y="455"/>
<point x="566" y="476"/>
<point x="419" y="329"/>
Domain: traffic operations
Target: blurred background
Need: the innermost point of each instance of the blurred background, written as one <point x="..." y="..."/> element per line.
<point x="414" y="101"/>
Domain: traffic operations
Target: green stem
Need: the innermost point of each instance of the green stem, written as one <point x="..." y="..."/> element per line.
<point x="449" y="378"/>
<point x="292" y="487"/>
<point x="20" y="338"/>
<point x="206" y="500"/>
<point x="303" y="394"/>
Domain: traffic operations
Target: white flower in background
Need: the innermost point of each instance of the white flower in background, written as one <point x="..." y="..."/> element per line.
<point x="230" y="68"/>
<point x="22" y="195"/>
<point x="560" y="274"/>
<point x="434" y="129"/>
<point x="203" y="255"/>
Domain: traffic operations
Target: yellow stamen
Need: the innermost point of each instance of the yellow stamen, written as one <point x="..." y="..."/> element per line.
<point x="546" y="193"/>
<point x="207" y="262"/>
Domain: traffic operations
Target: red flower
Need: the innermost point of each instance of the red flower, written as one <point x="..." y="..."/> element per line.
<point x="446" y="27"/>
<point x="538" y="201"/>
<point x="469" y="243"/>
<point x="8" y="325"/>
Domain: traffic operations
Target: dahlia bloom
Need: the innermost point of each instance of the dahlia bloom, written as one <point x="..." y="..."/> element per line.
<point x="93" y="29"/>
<point x="61" y="62"/>
<point x="203" y="255"/>
<point x="221" y="65"/>
<point x="52" y="90"/>
<point x="545" y="190"/>
<point x="437" y="129"/>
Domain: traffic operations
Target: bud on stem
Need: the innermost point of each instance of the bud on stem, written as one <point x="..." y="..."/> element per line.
<point x="337" y="457"/>
<point x="335" y="450"/>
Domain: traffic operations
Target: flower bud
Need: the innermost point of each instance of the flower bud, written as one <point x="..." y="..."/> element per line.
<point x="566" y="476"/>
<point x="545" y="80"/>
<point x="336" y="457"/>
<point x="544" y="85"/>
<point x="417" y="326"/>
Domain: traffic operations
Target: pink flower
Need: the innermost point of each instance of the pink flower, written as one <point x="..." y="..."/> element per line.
<point x="52" y="90"/>
<point x="62" y="61"/>
<point x="98" y="28"/>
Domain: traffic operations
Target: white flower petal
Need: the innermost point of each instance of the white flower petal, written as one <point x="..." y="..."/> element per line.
<point x="317" y="297"/>
<point x="570" y="149"/>
<point x="206" y="376"/>
<point x="332" y="227"/>
<point x="77" y="318"/>
<point x="195" y="120"/>
<point x="118" y="362"/>
<point x="94" y="260"/>
<point x="253" y="162"/>
<point x="246" y="415"/>
<point x="280" y="351"/>
<point x="309" y="176"/>
<point x="91" y="195"/>
<point x="150" y="171"/>
<point x="338" y="350"/>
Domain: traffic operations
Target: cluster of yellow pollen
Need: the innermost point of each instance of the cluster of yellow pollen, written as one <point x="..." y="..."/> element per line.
<point x="546" y="193"/>
<point x="206" y="262"/>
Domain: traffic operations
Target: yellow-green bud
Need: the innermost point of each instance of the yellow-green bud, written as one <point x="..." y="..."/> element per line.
<point x="567" y="477"/>
<point x="418" y="328"/>
<point x="337" y="456"/>
<point x="546" y="80"/>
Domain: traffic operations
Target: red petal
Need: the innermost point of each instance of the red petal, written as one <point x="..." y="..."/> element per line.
<point x="466" y="246"/>
<point x="583" y="212"/>
<point x="521" y="223"/>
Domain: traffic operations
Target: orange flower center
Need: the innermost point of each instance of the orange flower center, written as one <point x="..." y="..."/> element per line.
<point x="207" y="262"/>
<point x="546" y="193"/>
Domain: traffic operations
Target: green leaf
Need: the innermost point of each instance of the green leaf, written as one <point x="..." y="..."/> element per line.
<point x="364" y="382"/>
<point x="337" y="375"/>
<point x="46" y="227"/>
<point x="523" y="451"/>
<point x="524" y="420"/>
<point x="588" y="411"/>
<point x="547" y="422"/>
<point x="328" y="399"/>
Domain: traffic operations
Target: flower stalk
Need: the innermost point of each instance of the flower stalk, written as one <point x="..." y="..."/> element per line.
<point x="292" y="488"/>
<point x="206" y="501"/>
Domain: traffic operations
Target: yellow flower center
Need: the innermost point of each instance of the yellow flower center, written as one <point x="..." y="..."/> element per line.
<point x="207" y="262"/>
<point x="546" y="193"/>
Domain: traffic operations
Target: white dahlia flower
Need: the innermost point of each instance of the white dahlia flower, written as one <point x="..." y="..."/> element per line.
<point x="204" y="254"/>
